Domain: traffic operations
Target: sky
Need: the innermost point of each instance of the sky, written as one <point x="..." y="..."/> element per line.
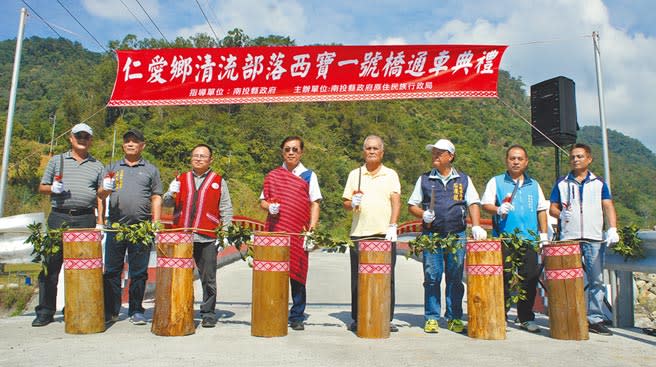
<point x="546" y="38"/>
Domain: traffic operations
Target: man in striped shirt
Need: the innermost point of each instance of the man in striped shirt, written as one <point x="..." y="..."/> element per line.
<point x="74" y="181"/>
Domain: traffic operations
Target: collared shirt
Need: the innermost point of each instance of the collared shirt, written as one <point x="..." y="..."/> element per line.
<point x="373" y="216"/>
<point x="528" y="200"/>
<point x="489" y="196"/>
<point x="471" y="195"/>
<point x="225" y="204"/>
<point x="314" y="192"/>
<point x="81" y="181"/>
<point x="130" y="202"/>
<point x="585" y="202"/>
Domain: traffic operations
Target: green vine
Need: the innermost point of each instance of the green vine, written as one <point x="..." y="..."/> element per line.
<point x="432" y="243"/>
<point x="45" y="242"/>
<point x="142" y="233"/>
<point x="322" y="239"/>
<point x="515" y="247"/>
<point x="237" y="236"/>
<point x="630" y="245"/>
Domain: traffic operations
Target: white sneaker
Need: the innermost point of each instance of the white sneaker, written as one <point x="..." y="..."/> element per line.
<point x="530" y="326"/>
<point x="138" y="319"/>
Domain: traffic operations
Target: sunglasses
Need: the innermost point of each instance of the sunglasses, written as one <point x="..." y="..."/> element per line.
<point x="291" y="149"/>
<point x="82" y="136"/>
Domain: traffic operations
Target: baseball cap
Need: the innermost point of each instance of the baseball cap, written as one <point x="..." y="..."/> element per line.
<point x="134" y="133"/>
<point x="442" y="144"/>
<point x="82" y="128"/>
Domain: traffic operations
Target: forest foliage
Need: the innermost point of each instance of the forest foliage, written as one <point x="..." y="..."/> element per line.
<point x="61" y="79"/>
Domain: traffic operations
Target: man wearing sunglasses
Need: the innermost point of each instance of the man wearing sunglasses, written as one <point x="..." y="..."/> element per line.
<point x="581" y="200"/>
<point x="136" y="197"/>
<point x="74" y="181"/>
<point x="291" y="196"/>
<point x="202" y="200"/>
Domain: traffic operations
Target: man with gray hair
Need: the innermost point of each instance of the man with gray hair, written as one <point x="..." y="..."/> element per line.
<point x="74" y="181"/>
<point x="373" y="194"/>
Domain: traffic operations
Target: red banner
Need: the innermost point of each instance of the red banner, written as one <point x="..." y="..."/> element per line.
<point x="189" y="76"/>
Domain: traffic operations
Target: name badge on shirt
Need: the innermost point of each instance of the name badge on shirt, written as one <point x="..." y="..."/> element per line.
<point x="215" y="185"/>
<point x="457" y="192"/>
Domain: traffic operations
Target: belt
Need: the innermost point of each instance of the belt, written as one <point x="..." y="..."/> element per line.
<point x="75" y="211"/>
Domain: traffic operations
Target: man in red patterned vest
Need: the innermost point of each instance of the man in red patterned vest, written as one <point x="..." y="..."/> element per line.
<point x="291" y="195"/>
<point x="202" y="202"/>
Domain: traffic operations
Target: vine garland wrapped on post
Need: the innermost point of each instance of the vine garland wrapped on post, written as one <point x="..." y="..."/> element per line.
<point x="448" y="244"/>
<point x="630" y="245"/>
<point x="141" y="233"/>
<point x="323" y="240"/>
<point x="515" y="248"/>
<point x="237" y="236"/>
<point x="45" y="242"/>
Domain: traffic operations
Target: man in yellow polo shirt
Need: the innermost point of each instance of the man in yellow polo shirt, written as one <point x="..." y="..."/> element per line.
<point x="373" y="193"/>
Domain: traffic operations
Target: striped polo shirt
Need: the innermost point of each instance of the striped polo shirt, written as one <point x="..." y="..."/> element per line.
<point x="81" y="181"/>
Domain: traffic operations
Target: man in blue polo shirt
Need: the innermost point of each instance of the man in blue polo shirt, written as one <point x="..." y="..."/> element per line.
<point x="516" y="201"/>
<point x="581" y="200"/>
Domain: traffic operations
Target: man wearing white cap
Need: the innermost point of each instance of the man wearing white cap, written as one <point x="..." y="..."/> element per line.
<point x="74" y="181"/>
<point x="442" y="197"/>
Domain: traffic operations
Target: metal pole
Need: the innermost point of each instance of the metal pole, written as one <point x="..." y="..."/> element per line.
<point x="621" y="281"/>
<point x="602" y="108"/>
<point x="557" y="158"/>
<point x="52" y="136"/>
<point x="11" y="110"/>
<point x="113" y="145"/>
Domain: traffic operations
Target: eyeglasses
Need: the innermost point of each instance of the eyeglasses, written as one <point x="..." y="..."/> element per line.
<point x="291" y="149"/>
<point x="82" y="136"/>
<point x="199" y="156"/>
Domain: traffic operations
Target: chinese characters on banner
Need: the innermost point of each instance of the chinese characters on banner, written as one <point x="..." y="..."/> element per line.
<point x="191" y="76"/>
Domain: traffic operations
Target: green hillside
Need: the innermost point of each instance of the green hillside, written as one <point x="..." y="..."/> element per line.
<point x="61" y="77"/>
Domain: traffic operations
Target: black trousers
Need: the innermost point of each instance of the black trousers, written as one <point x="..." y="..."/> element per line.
<point x="48" y="282"/>
<point x="531" y="273"/>
<point x="354" y="255"/>
<point x="205" y="258"/>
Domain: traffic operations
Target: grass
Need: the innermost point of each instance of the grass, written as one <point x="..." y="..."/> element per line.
<point x="14" y="300"/>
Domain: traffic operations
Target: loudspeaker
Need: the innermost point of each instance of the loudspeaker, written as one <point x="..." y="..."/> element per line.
<point x="553" y="111"/>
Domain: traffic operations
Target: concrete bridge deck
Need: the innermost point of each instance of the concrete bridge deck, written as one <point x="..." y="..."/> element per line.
<point x="325" y="341"/>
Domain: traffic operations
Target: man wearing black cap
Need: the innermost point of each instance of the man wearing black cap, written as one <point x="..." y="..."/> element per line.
<point x="136" y="197"/>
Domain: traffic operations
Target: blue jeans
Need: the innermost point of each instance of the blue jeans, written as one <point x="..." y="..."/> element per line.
<point x="297" y="311"/>
<point x="434" y="266"/>
<point x="593" y="260"/>
<point x="138" y="256"/>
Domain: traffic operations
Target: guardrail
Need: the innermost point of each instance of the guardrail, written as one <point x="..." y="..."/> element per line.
<point x="621" y="278"/>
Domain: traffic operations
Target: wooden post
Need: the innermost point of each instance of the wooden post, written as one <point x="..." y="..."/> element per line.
<point x="485" y="301"/>
<point x="374" y="289"/>
<point x="270" y="285"/>
<point x="174" y="292"/>
<point x="83" y="297"/>
<point x="567" y="308"/>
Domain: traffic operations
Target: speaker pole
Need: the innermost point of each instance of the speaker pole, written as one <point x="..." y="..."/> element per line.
<point x="557" y="152"/>
<point x="602" y="108"/>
